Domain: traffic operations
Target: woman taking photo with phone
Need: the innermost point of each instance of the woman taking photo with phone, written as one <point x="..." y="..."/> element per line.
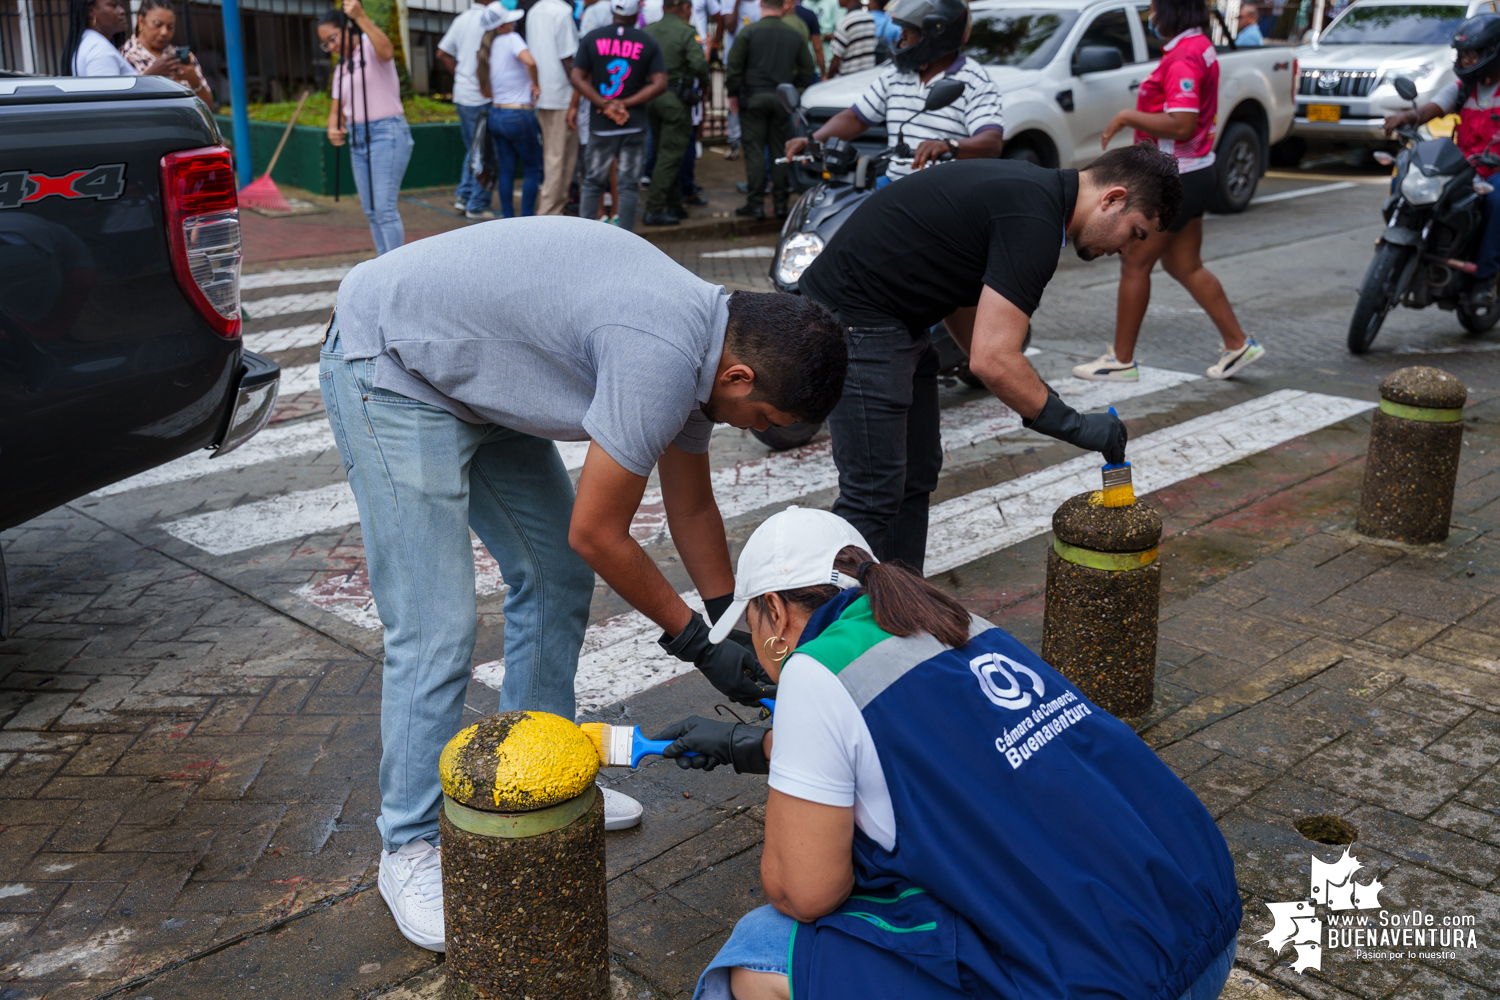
<point x="155" y="25"/>
<point x="948" y="816"/>
<point x="1176" y="109"/>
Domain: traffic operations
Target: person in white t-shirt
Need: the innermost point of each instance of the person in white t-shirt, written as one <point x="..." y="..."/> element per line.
<point x="553" y="39"/>
<point x="458" y="51"/>
<point x="88" y="50"/>
<point x="509" y="77"/>
<point x="733" y="16"/>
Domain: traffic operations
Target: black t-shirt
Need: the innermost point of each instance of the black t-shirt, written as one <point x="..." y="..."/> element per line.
<point x="925" y="245"/>
<point x="620" y="62"/>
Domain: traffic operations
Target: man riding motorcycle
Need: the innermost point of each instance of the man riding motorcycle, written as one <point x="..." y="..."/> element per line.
<point x="932" y="32"/>
<point x="1475" y="95"/>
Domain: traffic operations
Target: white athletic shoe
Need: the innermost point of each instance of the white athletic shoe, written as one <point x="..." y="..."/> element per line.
<point x="411" y="883"/>
<point x="478" y="216"/>
<point x="1107" y="369"/>
<point x="1231" y="363"/>
<point x="621" y="812"/>
<point x="459" y="205"/>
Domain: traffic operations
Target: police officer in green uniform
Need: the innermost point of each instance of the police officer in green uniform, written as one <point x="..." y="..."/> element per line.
<point x="671" y="113"/>
<point x="766" y="54"/>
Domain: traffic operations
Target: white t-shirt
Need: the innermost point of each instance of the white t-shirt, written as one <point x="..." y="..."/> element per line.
<point x="823" y="751"/>
<point x="510" y="83"/>
<point x="552" y="37"/>
<point x="1481" y="97"/>
<point x="651" y="11"/>
<point x="747" y="14"/>
<point x="462" y="43"/>
<point x="97" y="57"/>
<point x="596" y="15"/>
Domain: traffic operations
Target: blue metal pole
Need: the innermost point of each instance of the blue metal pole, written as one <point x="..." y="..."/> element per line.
<point x="235" y="55"/>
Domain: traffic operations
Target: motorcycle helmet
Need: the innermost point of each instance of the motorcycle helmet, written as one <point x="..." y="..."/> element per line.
<point x="942" y="24"/>
<point x="1480" y="33"/>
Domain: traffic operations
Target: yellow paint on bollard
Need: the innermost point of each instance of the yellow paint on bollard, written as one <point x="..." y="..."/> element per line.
<point x="455" y="782"/>
<point x="518" y="761"/>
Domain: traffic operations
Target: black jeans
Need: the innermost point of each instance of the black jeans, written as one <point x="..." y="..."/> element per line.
<point x="887" y="442"/>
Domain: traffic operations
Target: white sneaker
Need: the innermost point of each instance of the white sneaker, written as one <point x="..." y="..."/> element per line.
<point x="621" y="812"/>
<point x="1107" y="369"/>
<point x="1232" y="362"/>
<point x="478" y="215"/>
<point x="411" y="883"/>
<point x="459" y="205"/>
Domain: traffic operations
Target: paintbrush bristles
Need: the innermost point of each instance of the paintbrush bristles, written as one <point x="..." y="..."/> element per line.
<point x="612" y="743"/>
<point x="595" y="732"/>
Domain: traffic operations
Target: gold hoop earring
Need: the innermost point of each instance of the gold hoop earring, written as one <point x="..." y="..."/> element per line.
<point x="772" y="655"/>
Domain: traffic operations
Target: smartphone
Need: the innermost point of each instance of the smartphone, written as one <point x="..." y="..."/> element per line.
<point x="183" y="52"/>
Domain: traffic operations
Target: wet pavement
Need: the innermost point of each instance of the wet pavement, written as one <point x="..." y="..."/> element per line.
<point x="189" y="706"/>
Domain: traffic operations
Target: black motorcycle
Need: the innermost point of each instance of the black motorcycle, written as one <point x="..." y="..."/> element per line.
<point x="1434" y="222"/>
<point x="838" y="178"/>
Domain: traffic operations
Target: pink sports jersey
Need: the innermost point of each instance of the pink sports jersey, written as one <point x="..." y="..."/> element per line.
<point x="1186" y="79"/>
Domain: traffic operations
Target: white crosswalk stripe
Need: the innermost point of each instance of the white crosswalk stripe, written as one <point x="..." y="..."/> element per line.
<point x="304" y="276"/>
<point x="620" y="656"/>
<point x="287" y="339"/>
<point x="282" y="305"/>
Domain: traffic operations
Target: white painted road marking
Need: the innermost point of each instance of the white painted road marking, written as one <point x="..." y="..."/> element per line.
<point x="282" y="305"/>
<point x="742" y="252"/>
<point x="302" y="276"/>
<point x="286" y="339"/>
<point x="347" y="593"/>
<point x="620" y="663"/>
<point x="781" y="477"/>
<point x="1302" y="192"/>
<point x="297" y="380"/>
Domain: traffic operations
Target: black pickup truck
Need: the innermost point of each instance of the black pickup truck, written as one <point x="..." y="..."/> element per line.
<point x="119" y="290"/>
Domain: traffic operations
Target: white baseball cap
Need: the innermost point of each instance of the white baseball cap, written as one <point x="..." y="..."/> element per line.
<point x="497" y="14"/>
<point x="626" y="8"/>
<point x="795" y="548"/>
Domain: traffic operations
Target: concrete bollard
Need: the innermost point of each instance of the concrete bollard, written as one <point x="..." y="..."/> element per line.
<point x="1103" y="592"/>
<point x="523" y="861"/>
<point x="1412" y="465"/>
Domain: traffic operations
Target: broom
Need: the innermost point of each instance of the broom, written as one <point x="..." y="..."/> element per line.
<point x="263" y="194"/>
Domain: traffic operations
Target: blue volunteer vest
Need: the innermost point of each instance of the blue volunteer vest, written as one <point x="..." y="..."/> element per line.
<point x="1042" y="849"/>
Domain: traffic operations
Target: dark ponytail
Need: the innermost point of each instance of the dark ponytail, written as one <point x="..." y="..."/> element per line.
<point x="1173" y="17"/>
<point x="78" y="23"/>
<point x="903" y="602"/>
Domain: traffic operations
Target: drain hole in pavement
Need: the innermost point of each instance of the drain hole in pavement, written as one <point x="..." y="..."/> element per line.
<point x="1327" y="829"/>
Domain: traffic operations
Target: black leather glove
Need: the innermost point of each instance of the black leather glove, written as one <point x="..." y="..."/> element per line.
<point x="716" y="742"/>
<point x="728" y="666"/>
<point x="1101" y="432"/>
<point x="717" y="606"/>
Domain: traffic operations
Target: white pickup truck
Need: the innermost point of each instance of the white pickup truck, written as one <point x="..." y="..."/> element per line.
<point x="1064" y="67"/>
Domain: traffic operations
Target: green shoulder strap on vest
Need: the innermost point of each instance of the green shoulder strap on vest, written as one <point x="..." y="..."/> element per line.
<point x="847" y="639"/>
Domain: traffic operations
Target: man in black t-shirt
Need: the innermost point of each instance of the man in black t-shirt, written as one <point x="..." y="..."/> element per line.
<point x="971" y="244"/>
<point x="618" y="70"/>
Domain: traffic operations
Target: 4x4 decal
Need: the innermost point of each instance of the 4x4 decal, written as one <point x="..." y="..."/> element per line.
<point x="105" y="182"/>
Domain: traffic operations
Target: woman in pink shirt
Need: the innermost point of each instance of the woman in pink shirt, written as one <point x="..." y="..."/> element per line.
<point x="1177" y="109"/>
<point x="367" y="95"/>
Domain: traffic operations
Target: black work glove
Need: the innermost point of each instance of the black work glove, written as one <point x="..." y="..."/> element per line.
<point x="1101" y="432"/>
<point x="716" y="742"/>
<point x="728" y="666"/>
<point x="717" y="606"/>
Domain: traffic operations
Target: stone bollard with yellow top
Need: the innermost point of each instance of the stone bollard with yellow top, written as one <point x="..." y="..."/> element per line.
<point x="1412" y="467"/>
<point x="523" y="861"/>
<point x="1103" y="592"/>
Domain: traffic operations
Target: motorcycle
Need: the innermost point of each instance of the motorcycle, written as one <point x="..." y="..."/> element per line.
<point x="842" y="178"/>
<point x="1434" y="222"/>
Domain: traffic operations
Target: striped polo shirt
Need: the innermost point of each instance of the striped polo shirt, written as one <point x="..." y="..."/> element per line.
<point x="854" y="42"/>
<point x="895" y="98"/>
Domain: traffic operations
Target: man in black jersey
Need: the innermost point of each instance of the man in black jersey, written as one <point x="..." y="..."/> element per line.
<point x="971" y="244"/>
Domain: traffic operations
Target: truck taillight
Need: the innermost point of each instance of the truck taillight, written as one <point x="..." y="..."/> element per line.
<point x="202" y="214"/>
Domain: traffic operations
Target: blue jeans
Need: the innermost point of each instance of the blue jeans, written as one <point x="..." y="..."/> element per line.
<point x="470" y="191"/>
<point x="517" y="136"/>
<point x="1488" y="257"/>
<point x="378" y="153"/>
<point x="762" y="938"/>
<point x="422" y="478"/>
<point x="627" y="152"/>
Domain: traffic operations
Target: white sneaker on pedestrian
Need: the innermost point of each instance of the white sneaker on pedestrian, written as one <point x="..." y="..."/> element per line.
<point x="1107" y="369"/>
<point x="477" y="216"/>
<point x="1231" y="363"/>
<point x="459" y="205"/>
<point x="411" y="883"/>
<point x="621" y="812"/>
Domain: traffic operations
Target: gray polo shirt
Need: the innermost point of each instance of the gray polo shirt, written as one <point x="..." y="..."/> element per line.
<point x="549" y="325"/>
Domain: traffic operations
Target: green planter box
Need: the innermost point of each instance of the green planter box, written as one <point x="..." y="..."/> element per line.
<point x="308" y="160"/>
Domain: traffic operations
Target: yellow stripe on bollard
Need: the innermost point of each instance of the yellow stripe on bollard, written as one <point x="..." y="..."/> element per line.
<point x="1425" y="414"/>
<point x="1113" y="562"/>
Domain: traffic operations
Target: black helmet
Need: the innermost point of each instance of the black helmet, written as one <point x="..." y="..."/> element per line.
<point x="942" y="23"/>
<point x="1479" y="33"/>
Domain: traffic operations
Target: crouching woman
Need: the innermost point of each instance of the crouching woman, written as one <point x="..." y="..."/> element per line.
<point x="948" y="817"/>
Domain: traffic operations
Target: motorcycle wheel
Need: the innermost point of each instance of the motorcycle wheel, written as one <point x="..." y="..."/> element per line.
<point x="1478" y="321"/>
<point x="1377" y="295"/>
<point x="788" y="437"/>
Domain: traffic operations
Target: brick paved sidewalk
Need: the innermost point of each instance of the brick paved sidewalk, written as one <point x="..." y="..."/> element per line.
<point x="186" y="768"/>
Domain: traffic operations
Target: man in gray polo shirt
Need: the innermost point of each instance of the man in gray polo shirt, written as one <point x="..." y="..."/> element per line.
<point x="443" y="395"/>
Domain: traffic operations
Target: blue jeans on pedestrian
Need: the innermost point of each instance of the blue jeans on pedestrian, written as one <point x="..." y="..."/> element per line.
<point x="517" y="136"/>
<point x="470" y="191"/>
<point x="378" y="154"/>
<point x="762" y="938"/>
<point x="1487" y="259"/>
<point x="422" y="478"/>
